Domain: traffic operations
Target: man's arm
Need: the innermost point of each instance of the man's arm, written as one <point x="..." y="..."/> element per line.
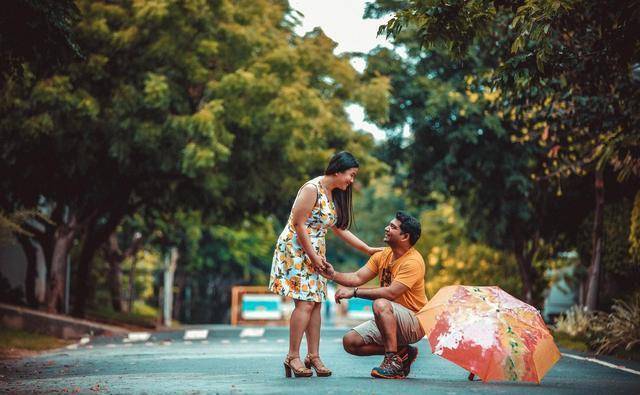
<point x="390" y="293"/>
<point x="362" y="276"/>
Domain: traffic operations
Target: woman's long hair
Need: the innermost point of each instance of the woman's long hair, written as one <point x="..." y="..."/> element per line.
<point x="339" y="163"/>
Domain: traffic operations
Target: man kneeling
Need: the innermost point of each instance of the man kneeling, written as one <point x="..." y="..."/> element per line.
<point x="400" y="269"/>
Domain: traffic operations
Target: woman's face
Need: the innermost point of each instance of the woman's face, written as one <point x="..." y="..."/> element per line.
<point x="347" y="178"/>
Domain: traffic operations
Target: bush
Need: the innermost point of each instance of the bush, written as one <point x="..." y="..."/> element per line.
<point x="576" y="323"/>
<point x="619" y="330"/>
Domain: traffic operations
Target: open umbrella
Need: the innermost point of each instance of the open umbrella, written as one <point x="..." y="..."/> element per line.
<point x="489" y="332"/>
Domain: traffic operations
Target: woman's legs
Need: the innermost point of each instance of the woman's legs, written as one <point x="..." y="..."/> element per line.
<point x="313" y="330"/>
<point x="299" y="321"/>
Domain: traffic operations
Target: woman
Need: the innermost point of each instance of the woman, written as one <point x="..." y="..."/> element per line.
<point x="299" y="257"/>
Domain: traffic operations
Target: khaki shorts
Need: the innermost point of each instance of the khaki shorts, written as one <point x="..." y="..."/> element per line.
<point x="408" y="331"/>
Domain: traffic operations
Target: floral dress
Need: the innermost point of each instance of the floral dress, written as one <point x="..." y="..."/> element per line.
<point x="291" y="272"/>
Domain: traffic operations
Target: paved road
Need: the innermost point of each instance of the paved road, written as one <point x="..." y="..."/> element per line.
<point x="227" y="363"/>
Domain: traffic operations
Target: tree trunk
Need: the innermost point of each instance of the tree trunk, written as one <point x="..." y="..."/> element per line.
<point x="171" y="262"/>
<point x="94" y="238"/>
<point x="63" y="240"/>
<point x="32" y="270"/>
<point x="114" y="278"/>
<point x="596" y="246"/>
<point x="132" y="285"/>
<point x="528" y="273"/>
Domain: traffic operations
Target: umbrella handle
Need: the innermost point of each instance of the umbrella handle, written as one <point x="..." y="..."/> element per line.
<point x="471" y="376"/>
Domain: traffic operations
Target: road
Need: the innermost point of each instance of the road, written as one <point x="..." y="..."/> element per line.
<point x="229" y="361"/>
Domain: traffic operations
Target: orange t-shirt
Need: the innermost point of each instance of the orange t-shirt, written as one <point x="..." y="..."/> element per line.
<point x="409" y="270"/>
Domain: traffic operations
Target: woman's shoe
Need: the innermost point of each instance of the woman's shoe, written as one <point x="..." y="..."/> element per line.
<point x="302" y="372"/>
<point x="314" y="360"/>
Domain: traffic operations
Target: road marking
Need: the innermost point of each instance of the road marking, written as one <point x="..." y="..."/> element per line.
<point x="166" y="343"/>
<point x="225" y="341"/>
<point x="196" y="334"/>
<point x="89" y="347"/>
<point x="149" y="344"/>
<point x="280" y="341"/>
<point x="252" y="332"/>
<point x="137" y="337"/>
<point x="205" y="342"/>
<point x="72" y="347"/>
<point x="110" y="345"/>
<point x="603" y="363"/>
<point x="337" y="340"/>
<point x="262" y="341"/>
<point x="84" y="340"/>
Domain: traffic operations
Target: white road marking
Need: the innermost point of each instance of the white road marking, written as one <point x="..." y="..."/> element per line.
<point x="84" y="340"/>
<point x="137" y="337"/>
<point x="89" y="346"/>
<point x="196" y="334"/>
<point x="280" y="341"/>
<point x="262" y="341"/>
<point x="225" y="341"/>
<point x="166" y="343"/>
<point x="252" y="332"/>
<point x="205" y="342"/>
<point x="110" y="345"/>
<point x="603" y="363"/>
<point x="337" y="340"/>
<point x="72" y="347"/>
<point x="149" y="344"/>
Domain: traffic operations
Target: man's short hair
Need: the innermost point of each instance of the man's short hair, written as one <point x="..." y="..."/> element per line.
<point x="410" y="225"/>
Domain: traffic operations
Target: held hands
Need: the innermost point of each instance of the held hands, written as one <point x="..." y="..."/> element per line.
<point x="318" y="263"/>
<point x="328" y="272"/>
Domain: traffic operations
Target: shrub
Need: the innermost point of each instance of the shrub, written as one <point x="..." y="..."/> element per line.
<point x="576" y="323"/>
<point x="620" y="329"/>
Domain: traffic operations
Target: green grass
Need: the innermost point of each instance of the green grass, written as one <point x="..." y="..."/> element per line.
<point x="143" y="315"/>
<point x="566" y="341"/>
<point x="11" y="339"/>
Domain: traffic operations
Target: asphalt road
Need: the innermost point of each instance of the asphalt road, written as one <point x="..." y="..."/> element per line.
<point x="227" y="361"/>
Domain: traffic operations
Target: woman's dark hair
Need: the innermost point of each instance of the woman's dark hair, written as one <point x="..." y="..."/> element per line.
<point x="410" y="225"/>
<point x="339" y="163"/>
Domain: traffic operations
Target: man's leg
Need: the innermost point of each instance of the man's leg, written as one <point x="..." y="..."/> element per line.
<point x="354" y="344"/>
<point x="386" y="322"/>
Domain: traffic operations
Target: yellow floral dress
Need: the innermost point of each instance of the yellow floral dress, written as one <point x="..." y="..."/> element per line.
<point x="291" y="272"/>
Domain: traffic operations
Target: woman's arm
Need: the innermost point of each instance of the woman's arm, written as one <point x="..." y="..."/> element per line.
<point x="354" y="241"/>
<point x="301" y="209"/>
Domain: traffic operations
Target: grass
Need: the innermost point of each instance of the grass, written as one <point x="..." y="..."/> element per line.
<point x="12" y="340"/>
<point x="143" y="316"/>
<point x="566" y="341"/>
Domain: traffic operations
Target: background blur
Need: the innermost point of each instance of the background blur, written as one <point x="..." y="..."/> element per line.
<point x="151" y="150"/>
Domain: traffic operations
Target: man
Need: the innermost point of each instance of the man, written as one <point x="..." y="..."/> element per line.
<point x="400" y="269"/>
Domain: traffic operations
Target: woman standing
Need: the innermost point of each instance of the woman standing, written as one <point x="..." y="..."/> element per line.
<point x="322" y="203"/>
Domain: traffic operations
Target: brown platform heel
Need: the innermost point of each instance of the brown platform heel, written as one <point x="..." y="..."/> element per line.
<point x="314" y="360"/>
<point x="302" y="372"/>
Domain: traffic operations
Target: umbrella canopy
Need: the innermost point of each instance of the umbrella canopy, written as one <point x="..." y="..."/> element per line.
<point x="489" y="332"/>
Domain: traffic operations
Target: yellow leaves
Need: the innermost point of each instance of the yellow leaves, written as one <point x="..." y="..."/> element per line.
<point x="473" y="97"/>
<point x="491" y="95"/>
<point x="374" y="96"/>
<point x="151" y="9"/>
<point x="156" y="91"/>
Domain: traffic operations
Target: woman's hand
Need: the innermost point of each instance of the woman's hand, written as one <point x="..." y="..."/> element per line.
<point x="317" y="263"/>
<point x="373" y="250"/>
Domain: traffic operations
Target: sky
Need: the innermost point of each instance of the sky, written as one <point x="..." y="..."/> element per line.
<point x="342" y="21"/>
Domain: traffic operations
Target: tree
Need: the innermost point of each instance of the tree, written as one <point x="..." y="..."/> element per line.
<point x="214" y="107"/>
<point x="565" y="65"/>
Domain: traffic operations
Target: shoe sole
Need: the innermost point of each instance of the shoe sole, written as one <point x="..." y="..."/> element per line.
<point x="380" y="376"/>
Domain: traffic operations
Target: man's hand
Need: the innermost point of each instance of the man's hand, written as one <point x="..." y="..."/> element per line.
<point x="343" y="293"/>
<point x="329" y="272"/>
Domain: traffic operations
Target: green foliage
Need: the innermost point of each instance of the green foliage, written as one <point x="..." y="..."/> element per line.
<point x="452" y="258"/>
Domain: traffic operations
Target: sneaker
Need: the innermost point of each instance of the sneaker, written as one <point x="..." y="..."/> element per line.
<point x="390" y="368"/>
<point x="408" y="356"/>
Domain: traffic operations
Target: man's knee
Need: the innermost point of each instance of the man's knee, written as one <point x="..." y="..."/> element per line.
<point x="381" y="306"/>
<point x="352" y="341"/>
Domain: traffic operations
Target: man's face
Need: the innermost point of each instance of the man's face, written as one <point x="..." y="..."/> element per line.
<point x="392" y="232"/>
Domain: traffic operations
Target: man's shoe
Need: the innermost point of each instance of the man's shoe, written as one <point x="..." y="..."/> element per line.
<point x="408" y="357"/>
<point x="390" y="368"/>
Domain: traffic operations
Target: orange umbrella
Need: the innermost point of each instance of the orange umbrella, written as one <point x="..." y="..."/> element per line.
<point x="489" y="332"/>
